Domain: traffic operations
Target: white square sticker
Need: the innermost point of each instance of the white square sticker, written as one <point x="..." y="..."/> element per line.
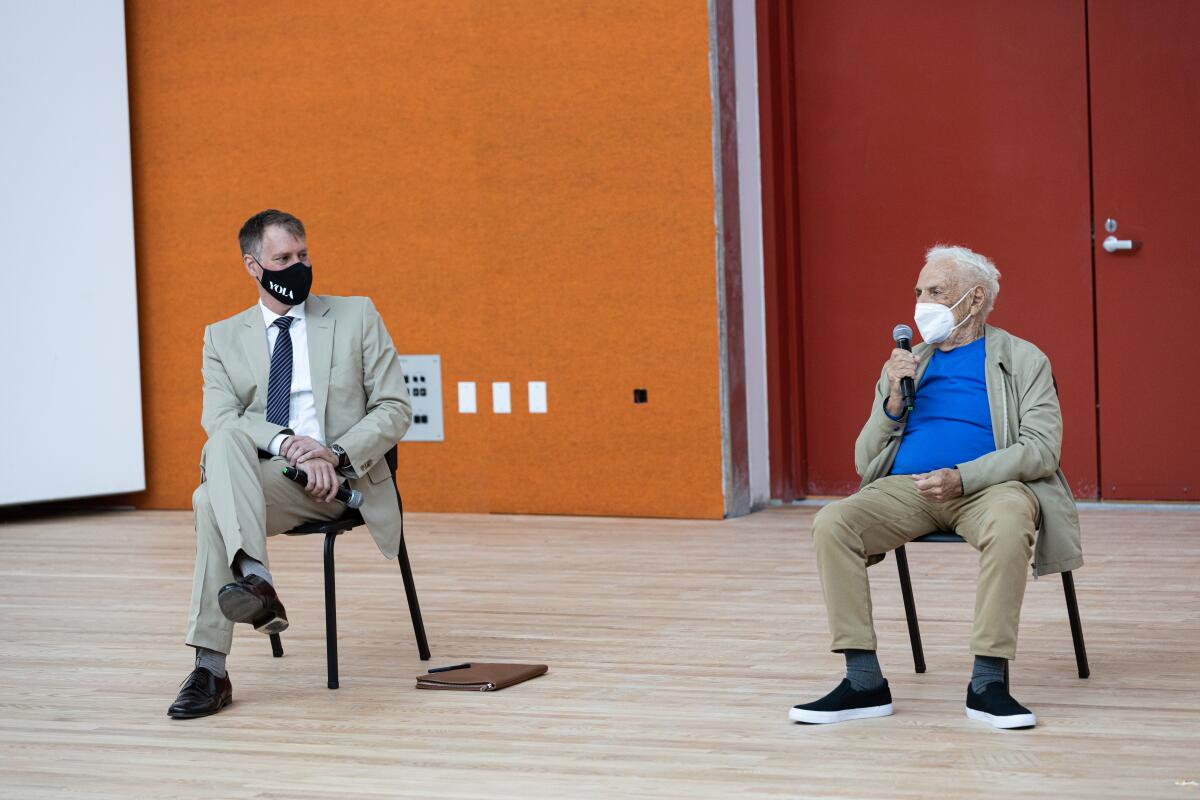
<point x="466" y="397"/>
<point x="537" y="397"/>
<point x="501" y="398"/>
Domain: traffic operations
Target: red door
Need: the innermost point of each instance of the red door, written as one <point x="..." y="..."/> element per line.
<point x="1145" y="75"/>
<point x="936" y="121"/>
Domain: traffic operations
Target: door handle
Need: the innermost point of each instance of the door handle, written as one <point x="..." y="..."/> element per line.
<point x="1112" y="244"/>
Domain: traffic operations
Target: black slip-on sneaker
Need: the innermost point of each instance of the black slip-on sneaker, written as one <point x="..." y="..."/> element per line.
<point x="995" y="706"/>
<point x="845" y="703"/>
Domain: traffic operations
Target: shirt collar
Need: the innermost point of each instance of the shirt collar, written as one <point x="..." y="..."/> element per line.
<point x="270" y="316"/>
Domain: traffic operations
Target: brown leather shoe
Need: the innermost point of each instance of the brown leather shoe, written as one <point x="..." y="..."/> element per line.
<point x="253" y="600"/>
<point x="201" y="694"/>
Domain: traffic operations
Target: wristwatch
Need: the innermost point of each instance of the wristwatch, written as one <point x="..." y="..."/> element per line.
<point x="343" y="459"/>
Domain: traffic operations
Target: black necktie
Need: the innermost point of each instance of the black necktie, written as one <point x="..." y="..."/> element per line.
<point x="279" y="384"/>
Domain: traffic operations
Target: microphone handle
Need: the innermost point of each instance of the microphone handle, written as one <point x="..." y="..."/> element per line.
<point x="907" y="387"/>
<point x="351" y="497"/>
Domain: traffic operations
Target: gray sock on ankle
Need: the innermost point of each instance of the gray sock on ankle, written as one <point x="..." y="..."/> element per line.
<point x="211" y="660"/>
<point x="988" y="669"/>
<point x="862" y="670"/>
<point x="247" y="566"/>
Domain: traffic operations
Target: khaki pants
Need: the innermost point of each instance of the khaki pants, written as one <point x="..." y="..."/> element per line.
<point x="998" y="521"/>
<point x="241" y="502"/>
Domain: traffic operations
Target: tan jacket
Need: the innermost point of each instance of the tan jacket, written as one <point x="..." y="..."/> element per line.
<point x="358" y="389"/>
<point x="1027" y="426"/>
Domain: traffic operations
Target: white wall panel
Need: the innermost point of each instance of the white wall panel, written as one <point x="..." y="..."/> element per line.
<point x="70" y="388"/>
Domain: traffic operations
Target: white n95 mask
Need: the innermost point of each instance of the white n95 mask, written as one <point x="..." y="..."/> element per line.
<point x="936" y="321"/>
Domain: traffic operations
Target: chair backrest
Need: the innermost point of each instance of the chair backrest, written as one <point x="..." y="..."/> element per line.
<point x="392" y="457"/>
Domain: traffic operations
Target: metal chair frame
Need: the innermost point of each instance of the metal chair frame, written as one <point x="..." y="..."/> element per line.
<point x="914" y="630"/>
<point x="348" y="521"/>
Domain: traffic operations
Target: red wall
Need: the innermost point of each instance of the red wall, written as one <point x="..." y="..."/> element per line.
<point x="906" y="124"/>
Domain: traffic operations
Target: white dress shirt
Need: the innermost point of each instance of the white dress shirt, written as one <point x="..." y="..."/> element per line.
<point x="302" y="408"/>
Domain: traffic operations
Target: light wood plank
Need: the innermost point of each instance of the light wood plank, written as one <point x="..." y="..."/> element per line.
<point x="675" y="649"/>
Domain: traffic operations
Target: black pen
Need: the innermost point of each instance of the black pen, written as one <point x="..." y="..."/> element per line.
<point x="447" y="669"/>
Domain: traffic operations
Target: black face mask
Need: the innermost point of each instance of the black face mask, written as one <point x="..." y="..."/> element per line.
<point x="289" y="285"/>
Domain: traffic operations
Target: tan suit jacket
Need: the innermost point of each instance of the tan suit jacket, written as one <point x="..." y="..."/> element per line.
<point x="358" y="389"/>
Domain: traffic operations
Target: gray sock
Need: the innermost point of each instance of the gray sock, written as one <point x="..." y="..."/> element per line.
<point x="247" y="566"/>
<point x="211" y="660"/>
<point x="862" y="670"/>
<point x="988" y="669"/>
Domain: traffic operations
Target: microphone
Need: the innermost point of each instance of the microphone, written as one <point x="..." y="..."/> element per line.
<point x="902" y="335"/>
<point x="351" y="497"/>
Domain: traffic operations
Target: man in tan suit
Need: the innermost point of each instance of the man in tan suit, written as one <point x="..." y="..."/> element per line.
<point x="307" y="381"/>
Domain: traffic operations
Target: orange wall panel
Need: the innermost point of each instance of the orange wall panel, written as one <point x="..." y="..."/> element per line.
<point x="523" y="188"/>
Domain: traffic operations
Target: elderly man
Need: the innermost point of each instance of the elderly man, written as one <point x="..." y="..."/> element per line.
<point x="307" y="381"/>
<point x="979" y="455"/>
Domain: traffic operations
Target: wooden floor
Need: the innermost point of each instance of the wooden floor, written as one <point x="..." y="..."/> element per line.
<point x="675" y="651"/>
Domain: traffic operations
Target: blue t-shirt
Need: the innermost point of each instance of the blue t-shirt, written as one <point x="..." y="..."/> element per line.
<point x="952" y="422"/>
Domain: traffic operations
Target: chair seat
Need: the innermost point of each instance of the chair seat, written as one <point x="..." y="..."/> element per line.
<point x="940" y="536"/>
<point x="351" y="519"/>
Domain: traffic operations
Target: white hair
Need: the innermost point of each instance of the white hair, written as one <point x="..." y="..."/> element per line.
<point x="975" y="268"/>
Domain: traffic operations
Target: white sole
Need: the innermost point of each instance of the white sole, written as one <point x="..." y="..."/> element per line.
<point x="1015" y="721"/>
<point x="825" y="717"/>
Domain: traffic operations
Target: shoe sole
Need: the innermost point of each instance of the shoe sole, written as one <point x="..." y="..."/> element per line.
<point x="271" y="624"/>
<point x="1007" y="723"/>
<point x="241" y="606"/>
<point x="228" y="701"/>
<point x="826" y="717"/>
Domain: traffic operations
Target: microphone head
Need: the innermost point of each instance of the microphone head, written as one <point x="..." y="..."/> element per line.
<point x="901" y="332"/>
<point x="355" y="500"/>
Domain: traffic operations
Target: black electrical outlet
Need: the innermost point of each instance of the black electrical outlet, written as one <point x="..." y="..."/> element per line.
<point x="639" y="396"/>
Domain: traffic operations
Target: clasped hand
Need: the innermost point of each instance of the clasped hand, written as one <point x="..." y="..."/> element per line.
<point x="317" y="461"/>
<point x="940" y="485"/>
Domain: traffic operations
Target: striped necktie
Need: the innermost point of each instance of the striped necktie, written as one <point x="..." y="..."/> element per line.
<point x="279" y="384"/>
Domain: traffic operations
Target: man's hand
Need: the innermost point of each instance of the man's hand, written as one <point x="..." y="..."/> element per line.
<point x="323" y="480"/>
<point x="940" y="485"/>
<point x="300" y="450"/>
<point x="902" y="364"/>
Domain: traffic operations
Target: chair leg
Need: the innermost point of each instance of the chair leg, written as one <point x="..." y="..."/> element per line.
<point x="276" y="646"/>
<point x="910" y="610"/>
<point x="414" y="608"/>
<point x="330" y="613"/>
<point x="1081" y="661"/>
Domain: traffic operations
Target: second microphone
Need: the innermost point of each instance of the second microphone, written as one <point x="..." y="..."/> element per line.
<point x="351" y="497"/>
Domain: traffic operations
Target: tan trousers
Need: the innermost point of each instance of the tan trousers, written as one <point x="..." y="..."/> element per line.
<point x="998" y="521"/>
<point x="241" y="501"/>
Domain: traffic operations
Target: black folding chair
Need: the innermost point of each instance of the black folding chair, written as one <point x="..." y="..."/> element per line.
<point x="352" y="519"/>
<point x="914" y="630"/>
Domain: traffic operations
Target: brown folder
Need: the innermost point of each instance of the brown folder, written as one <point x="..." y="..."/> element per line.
<point x="481" y="677"/>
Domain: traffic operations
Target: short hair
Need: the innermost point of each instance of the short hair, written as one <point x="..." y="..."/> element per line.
<point x="251" y="235"/>
<point x="976" y="268"/>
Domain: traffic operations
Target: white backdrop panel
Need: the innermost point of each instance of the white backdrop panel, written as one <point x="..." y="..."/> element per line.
<point x="70" y="399"/>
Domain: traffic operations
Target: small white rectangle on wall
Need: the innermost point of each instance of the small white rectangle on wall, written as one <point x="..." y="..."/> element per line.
<point x="501" y="398"/>
<point x="466" y="397"/>
<point x="537" y="397"/>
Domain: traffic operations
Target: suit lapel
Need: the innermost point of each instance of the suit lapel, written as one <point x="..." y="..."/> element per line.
<point x="253" y="336"/>
<point x="320" y="351"/>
